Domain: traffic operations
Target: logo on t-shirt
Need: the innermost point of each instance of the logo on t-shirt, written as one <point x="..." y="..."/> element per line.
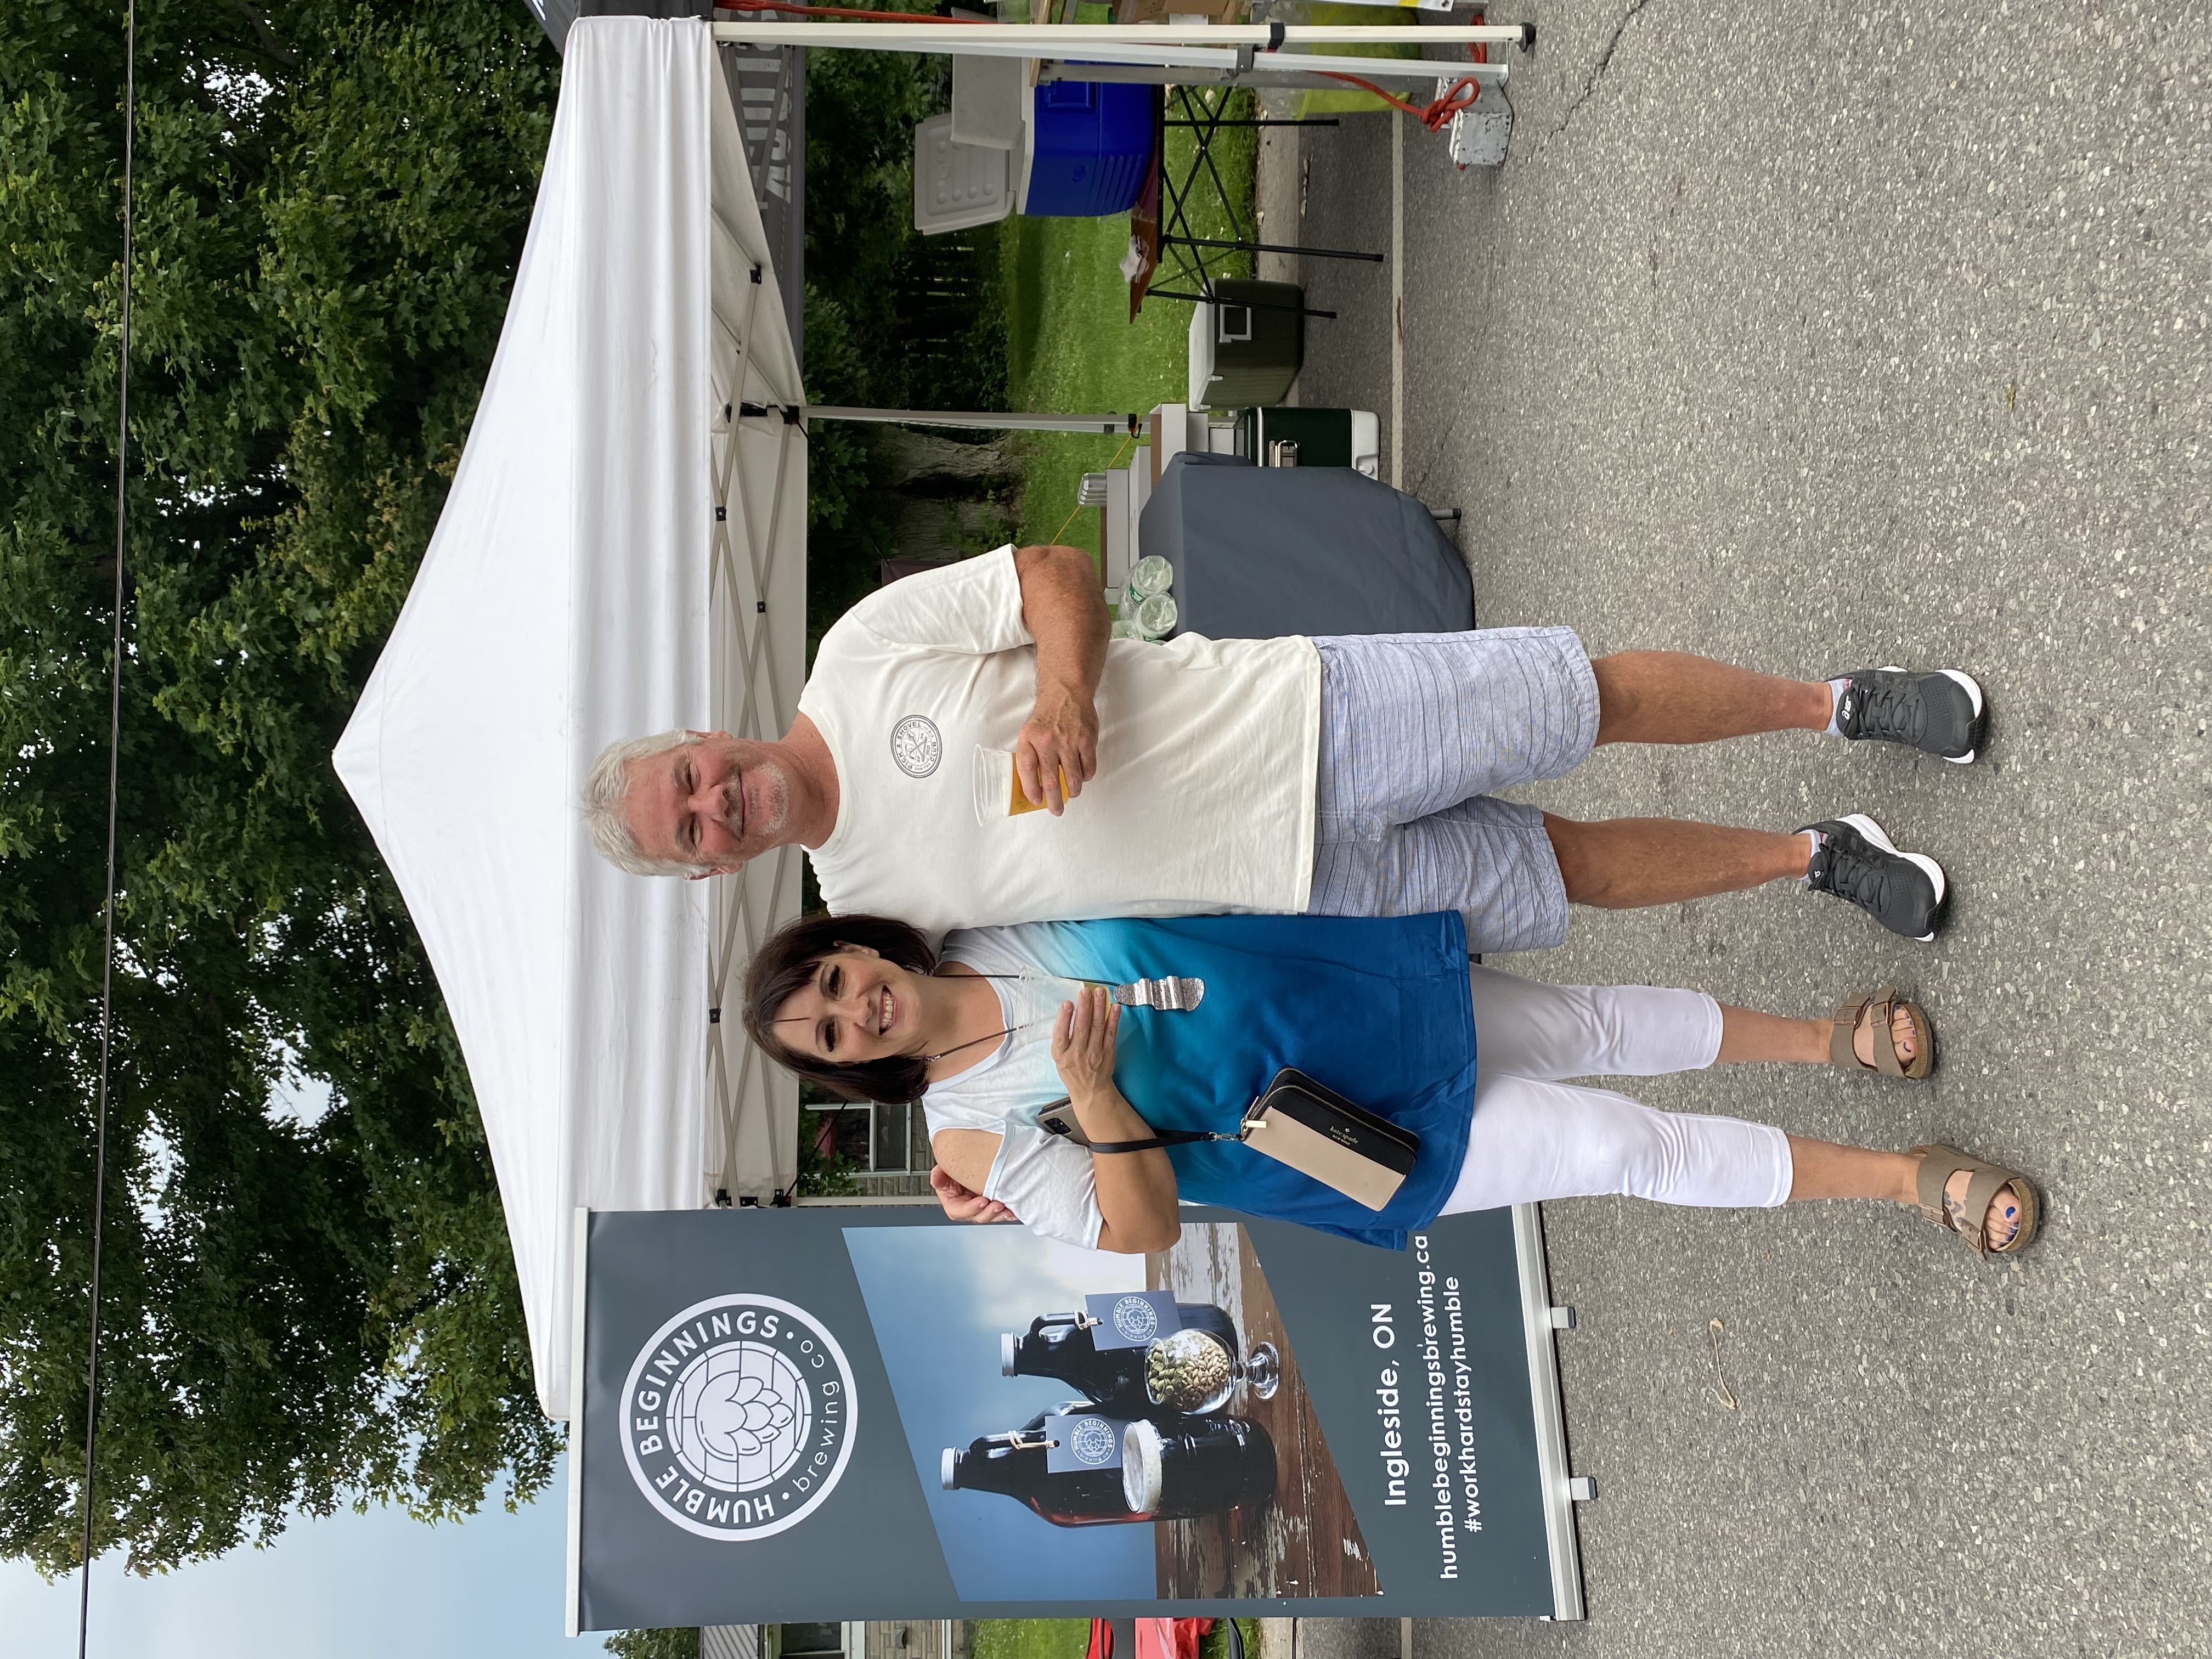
<point x="916" y="745"/>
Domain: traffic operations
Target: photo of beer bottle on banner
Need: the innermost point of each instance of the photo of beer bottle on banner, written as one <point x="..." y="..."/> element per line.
<point x="1087" y="1425"/>
<point x="1157" y="1374"/>
<point x="1131" y="1472"/>
<point x="1188" y="1359"/>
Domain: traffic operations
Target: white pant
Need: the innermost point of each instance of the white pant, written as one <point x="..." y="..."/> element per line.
<point x="1534" y="1136"/>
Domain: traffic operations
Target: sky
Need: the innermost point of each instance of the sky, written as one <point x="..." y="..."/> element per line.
<point x="378" y="1586"/>
<point x="938" y="1297"/>
<point x="374" y="1586"/>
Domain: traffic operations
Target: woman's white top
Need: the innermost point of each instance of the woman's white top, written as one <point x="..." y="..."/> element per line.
<point x="1044" y="1179"/>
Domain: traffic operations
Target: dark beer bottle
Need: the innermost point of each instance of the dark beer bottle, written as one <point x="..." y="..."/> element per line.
<point x="1060" y="1344"/>
<point x="1177" y="1468"/>
<point x="1014" y="1464"/>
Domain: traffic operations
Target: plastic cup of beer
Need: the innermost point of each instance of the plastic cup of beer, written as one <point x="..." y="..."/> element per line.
<point x="998" y="785"/>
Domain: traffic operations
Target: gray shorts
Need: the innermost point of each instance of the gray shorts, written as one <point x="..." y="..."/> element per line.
<point x="1415" y="730"/>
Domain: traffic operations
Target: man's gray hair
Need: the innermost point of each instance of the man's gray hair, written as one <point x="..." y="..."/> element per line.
<point x="605" y="789"/>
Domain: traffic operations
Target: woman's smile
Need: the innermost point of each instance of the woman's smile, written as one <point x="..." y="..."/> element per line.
<point x="860" y="1007"/>
<point x="876" y="1010"/>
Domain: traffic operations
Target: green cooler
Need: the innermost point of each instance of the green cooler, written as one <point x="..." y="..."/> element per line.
<point x="1325" y="437"/>
<point x="1246" y="344"/>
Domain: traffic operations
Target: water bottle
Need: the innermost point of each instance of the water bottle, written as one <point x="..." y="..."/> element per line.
<point x="1155" y="617"/>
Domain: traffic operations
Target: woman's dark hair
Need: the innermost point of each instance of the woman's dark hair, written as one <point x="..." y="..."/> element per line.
<point x="786" y="965"/>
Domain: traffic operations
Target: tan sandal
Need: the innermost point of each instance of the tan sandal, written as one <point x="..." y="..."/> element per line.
<point x="1884" y="1005"/>
<point x="1970" y="1218"/>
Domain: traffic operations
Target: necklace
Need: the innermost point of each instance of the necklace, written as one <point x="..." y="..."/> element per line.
<point x="1170" y="995"/>
<point x="1004" y="1030"/>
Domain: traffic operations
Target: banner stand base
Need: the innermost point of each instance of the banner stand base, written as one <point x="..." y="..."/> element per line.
<point x="1559" y="1484"/>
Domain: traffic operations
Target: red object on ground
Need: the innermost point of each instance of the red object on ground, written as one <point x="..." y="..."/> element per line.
<point x="1156" y="1638"/>
<point x="1170" y="1639"/>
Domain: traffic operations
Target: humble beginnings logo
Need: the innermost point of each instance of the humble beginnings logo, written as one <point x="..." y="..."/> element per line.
<point x="738" y="1417"/>
<point x="1094" y="1440"/>
<point x="1135" y="1319"/>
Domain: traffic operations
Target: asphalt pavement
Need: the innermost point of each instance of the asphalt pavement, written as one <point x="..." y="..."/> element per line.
<point x="1816" y="338"/>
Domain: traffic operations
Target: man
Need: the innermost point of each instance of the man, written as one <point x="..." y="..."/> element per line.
<point x="1334" y="776"/>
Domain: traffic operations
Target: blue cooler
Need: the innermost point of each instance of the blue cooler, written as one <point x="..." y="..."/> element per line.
<point x="1090" y="145"/>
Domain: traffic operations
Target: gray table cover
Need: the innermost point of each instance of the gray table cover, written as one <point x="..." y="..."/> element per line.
<point x="1264" y="552"/>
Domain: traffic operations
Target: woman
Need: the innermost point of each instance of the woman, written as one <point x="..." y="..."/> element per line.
<point x="1008" y="1024"/>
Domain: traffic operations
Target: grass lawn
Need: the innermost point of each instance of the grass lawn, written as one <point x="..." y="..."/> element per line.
<point x="1068" y="1638"/>
<point x="1031" y="1638"/>
<point x="1214" y="1645"/>
<point x="1070" y="345"/>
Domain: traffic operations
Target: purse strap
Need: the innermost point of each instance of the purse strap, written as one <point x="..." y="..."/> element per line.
<point x="1053" y="1126"/>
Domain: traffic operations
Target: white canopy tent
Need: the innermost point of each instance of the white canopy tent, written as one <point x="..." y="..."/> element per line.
<point x="623" y="551"/>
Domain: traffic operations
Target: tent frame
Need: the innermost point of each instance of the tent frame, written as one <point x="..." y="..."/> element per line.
<point x="749" y="699"/>
<point x="1251" y="53"/>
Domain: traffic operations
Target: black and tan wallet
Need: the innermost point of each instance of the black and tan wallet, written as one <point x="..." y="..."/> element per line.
<point x="1305" y="1125"/>
<point x="1318" y="1133"/>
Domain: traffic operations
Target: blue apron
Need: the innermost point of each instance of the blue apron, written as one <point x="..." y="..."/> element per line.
<point x="1376" y="1007"/>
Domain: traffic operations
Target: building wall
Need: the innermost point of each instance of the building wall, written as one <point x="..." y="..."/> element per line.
<point x="916" y="1638"/>
<point x="729" y="1642"/>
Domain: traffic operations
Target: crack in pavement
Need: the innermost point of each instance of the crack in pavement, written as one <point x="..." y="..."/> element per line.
<point x="1604" y="62"/>
<point x="1597" y="75"/>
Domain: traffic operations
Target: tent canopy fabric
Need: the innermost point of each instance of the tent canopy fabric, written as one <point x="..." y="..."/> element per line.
<point x="623" y="551"/>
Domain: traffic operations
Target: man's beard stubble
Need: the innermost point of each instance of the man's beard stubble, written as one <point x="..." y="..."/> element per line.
<point x="774" y="791"/>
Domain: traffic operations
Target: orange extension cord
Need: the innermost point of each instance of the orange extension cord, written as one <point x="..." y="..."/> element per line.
<point x="1436" y="114"/>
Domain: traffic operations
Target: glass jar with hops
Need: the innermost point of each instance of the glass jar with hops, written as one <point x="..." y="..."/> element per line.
<point x="1193" y="1371"/>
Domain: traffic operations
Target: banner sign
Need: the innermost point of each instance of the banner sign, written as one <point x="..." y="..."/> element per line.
<point x="851" y="1413"/>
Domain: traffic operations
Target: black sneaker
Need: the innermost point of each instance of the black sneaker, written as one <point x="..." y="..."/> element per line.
<point x="1939" y="713"/>
<point x="1903" y="891"/>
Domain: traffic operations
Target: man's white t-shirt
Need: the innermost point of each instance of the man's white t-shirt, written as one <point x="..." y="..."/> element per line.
<point x="1203" y="800"/>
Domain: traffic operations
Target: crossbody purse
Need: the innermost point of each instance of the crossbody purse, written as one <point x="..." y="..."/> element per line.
<point x="1305" y="1125"/>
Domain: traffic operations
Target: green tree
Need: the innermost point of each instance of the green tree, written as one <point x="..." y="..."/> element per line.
<point x="861" y="108"/>
<point x="654" y="1643"/>
<point x="894" y="318"/>
<point x="330" y="199"/>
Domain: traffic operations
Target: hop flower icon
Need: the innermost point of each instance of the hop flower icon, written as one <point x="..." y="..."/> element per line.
<point x="739" y="1416"/>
